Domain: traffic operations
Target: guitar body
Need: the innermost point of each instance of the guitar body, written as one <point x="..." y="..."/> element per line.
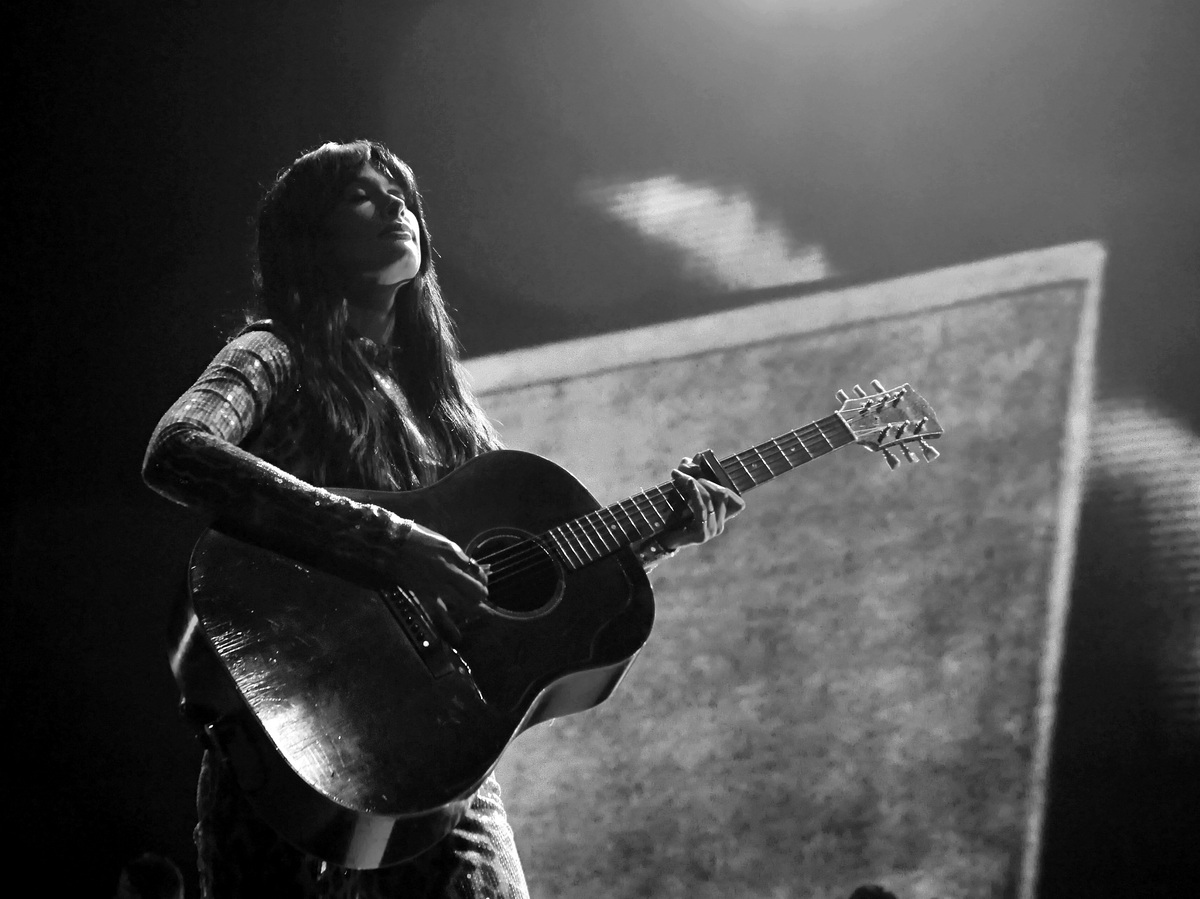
<point x="352" y="728"/>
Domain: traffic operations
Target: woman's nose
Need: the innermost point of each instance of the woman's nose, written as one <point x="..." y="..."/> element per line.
<point x="394" y="208"/>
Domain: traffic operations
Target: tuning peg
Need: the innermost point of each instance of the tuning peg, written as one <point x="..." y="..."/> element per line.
<point x="842" y="396"/>
<point x="920" y="426"/>
<point x="908" y="453"/>
<point x="892" y="461"/>
<point x="877" y="386"/>
<point x="929" y="452"/>
<point x="859" y="391"/>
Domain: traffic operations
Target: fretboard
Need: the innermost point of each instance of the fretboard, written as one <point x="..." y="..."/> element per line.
<point x="584" y="540"/>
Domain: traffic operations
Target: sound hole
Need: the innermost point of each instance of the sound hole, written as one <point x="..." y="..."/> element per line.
<point x="524" y="578"/>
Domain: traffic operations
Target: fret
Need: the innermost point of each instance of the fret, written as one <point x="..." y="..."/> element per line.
<point x="581" y="525"/>
<point x="746" y="469"/>
<point x="606" y="536"/>
<point x="578" y="523"/>
<point x="804" y="446"/>
<point x="617" y="519"/>
<point x="639" y="530"/>
<point x="755" y="473"/>
<point x="760" y="466"/>
<point x="575" y="543"/>
<point x="649" y="523"/>
<point x="571" y="543"/>
<point x="587" y="547"/>
<point x="774" y="441"/>
<point x="623" y="539"/>
<point x="557" y="546"/>
<point x="766" y="464"/>
<point x="828" y="442"/>
<point x="787" y="448"/>
<point x="559" y="538"/>
<point x="665" y="497"/>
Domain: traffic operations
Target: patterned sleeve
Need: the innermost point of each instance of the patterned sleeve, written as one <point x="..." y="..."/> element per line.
<point x="195" y="458"/>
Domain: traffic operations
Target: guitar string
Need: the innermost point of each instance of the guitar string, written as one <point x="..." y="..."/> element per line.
<point x="521" y="556"/>
<point x="511" y="559"/>
<point x="525" y="554"/>
<point x="507" y="562"/>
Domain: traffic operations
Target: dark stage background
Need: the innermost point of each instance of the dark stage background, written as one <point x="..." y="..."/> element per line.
<point x="879" y="138"/>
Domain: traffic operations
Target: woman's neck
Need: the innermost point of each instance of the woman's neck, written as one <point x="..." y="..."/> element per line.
<point x="371" y="311"/>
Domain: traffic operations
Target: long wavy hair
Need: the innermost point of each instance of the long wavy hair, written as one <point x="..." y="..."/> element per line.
<point x="352" y="433"/>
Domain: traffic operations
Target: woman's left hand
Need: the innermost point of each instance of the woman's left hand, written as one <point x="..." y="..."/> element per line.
<point x="712" y="506"/>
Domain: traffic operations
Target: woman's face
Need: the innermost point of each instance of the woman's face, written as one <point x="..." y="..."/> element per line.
<point x="374" y="236"/>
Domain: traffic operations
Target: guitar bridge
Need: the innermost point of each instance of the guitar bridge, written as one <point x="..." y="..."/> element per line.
<point x="437" y="655"/>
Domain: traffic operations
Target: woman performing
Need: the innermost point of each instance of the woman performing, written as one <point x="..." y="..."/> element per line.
<point x="347" y="376"/>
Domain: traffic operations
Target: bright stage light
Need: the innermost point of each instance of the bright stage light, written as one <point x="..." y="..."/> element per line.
<point x="723" y="234"/>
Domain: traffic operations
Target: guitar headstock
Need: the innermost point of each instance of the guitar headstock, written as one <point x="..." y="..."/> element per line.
<point x="891" y="422"/>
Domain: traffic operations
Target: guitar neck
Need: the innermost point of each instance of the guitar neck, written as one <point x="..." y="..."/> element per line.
<point x="600" y="533"/>
<point x="762" y="463"/>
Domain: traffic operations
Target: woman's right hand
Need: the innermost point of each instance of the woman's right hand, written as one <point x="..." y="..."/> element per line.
<point x="450" y="585"/>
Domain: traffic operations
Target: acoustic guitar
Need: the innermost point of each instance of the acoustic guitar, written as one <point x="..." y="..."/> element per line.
<point x="361" y="735"/>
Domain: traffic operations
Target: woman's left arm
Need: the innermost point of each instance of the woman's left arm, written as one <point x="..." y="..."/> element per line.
<point x="712" y="506"/>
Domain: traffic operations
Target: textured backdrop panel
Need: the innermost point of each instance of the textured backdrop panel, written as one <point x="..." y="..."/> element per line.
<point x="851" y="684"/>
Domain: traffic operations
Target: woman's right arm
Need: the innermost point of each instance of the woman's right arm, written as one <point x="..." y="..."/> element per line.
<point x="195" y="458"/>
